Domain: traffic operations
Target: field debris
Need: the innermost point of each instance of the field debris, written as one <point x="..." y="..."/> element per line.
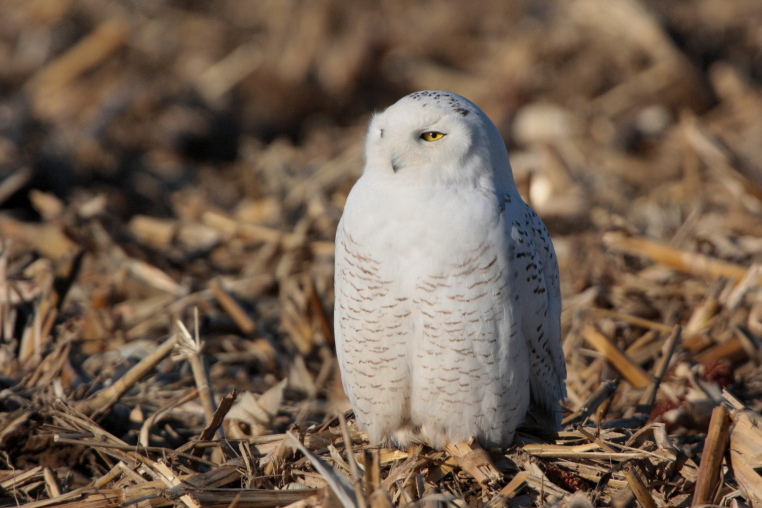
<point x="171" y="178"/>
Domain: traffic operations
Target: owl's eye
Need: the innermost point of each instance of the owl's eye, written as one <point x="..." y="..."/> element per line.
<point x="432" y="136"/>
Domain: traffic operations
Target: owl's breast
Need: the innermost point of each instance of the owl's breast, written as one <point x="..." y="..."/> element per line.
<point x="420" y="229"/>
<point x="445" y="254"/>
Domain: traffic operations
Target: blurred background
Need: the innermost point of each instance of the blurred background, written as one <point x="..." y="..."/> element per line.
<point x="140" y="99"/>
<point x="156" y="156"/>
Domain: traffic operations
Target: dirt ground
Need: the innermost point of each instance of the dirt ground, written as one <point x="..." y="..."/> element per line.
<point x="171" y="178"/>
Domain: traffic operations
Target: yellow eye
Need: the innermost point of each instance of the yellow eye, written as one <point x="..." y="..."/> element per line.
<point x="432" y="136"/>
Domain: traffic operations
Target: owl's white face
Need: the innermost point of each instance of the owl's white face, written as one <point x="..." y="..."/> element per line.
<point x="433" y="137"/>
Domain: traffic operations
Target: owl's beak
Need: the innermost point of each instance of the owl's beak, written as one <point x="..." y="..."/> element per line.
<point x="396" y="162"/>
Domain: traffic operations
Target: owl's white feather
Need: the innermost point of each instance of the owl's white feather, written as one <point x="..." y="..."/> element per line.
<point x="447" y="314"/>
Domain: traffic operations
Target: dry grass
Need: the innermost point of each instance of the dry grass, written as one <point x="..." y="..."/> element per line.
<point x="172" y="176"/>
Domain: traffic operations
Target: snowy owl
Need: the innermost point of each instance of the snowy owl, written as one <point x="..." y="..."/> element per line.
<point x="447" y="314"/>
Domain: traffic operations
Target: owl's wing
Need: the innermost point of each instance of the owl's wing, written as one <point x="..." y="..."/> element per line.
<point x="535" y="270"/>
<point x="370" y="331"/>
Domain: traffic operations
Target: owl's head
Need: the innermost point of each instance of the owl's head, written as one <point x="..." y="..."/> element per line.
<point x="432" y="137"/>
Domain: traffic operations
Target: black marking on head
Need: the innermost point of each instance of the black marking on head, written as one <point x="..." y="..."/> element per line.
<point x="444" y="98"/>
<point x="381" y="132"/>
